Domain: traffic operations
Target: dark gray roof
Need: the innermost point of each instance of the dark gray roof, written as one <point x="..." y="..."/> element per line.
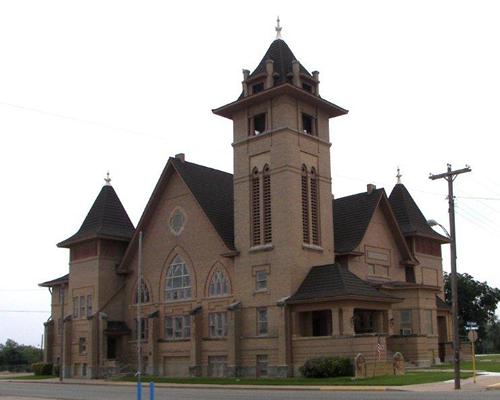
<point x="107" y="218"/>
<point x="213" y="189"/>
<point x="336" y="282"/>
<point x="282" y="56"/>
<point x="351" y="216"/>
<point x="55" y="282"/>
<point x="410" y="219"/>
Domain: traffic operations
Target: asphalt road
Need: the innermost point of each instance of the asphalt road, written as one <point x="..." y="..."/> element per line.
<point x="94" y="392"/>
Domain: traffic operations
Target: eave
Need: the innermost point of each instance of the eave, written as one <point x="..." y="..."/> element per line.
<point x="346" y="297"/>
<point x="230" y="109"/>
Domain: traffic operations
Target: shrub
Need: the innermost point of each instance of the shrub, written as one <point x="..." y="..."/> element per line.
<point x="327" y="367"/>
<point x="42" y="368"/>
<point x="56" y="370"/>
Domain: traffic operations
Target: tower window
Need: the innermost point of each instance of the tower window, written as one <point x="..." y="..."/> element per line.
<point x="307" y="124"/>
<point x="255" y="207"/>
<point x="266" y="204"/>
<point x="258" y="124"/>
<point x="314" y="208"/>
<point x="258" y="87"/>
<point x="307" y="87"/>
<point x="305" y="205"/>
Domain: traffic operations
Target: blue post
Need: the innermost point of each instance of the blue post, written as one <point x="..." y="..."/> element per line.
<point x="139" y="391"/>
<point x="151" y="391"/>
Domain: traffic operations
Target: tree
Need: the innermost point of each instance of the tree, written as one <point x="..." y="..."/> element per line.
<point x="16" y="357"/>
<point x="477" y="302"/>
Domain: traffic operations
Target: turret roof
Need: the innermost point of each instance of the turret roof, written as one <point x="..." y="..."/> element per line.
<point x="282" y="56"/>
<point x="411" y="220"/>
<point x="107" y="218"/>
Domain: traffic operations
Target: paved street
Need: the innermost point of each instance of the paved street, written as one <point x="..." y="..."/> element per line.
<point x="12" y="390"/>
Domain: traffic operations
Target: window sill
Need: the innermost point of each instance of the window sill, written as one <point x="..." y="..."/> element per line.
<point x="262" y="247"/>
<point x="261" y="291"/>
<point x="312" y="247"/>
<point x="173" y="340"/>
<point x="215" y="338"/>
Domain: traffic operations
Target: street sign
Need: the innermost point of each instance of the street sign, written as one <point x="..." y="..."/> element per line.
<point x="471" y="326"/>
<point x="472" y="335"/>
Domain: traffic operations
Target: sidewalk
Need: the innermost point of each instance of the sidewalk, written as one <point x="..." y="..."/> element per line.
<point x="488" y="381"/>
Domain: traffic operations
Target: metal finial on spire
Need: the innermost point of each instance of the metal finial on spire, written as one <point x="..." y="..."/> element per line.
<point x="399" y="175"/>
<point x="107" y="179"/>
<point x="278" y="28"/>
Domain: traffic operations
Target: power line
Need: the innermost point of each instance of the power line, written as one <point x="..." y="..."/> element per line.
<point x="24" y="311"/>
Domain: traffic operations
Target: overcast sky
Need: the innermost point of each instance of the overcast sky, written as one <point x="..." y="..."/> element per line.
<point x="95" y="85"/>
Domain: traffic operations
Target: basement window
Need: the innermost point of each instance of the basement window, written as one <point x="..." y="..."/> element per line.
<point x="307" y="124"/>
<point x="258" y="87"/>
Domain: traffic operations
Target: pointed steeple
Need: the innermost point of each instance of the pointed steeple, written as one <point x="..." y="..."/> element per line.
<point x="410" y="218"/>
<point x="107" y="219"/>
<point x="283" y="60"/>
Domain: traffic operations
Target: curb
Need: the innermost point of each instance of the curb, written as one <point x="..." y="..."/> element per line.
<point x="225" y="387"/>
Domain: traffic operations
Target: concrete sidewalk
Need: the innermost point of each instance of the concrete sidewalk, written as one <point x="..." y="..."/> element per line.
<point x="488" y="381"/>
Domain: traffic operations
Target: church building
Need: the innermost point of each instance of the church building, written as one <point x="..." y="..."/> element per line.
<point x="255" y="272"/>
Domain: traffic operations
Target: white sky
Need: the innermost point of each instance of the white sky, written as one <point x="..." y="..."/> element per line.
<point x="95" y="85"/>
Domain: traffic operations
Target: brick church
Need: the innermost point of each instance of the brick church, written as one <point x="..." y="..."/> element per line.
<point x="251" y="273"/>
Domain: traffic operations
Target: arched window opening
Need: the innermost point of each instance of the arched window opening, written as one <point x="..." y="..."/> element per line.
<point x="255" y="208"/>
<point x="266" y="204"/>
<point x="314" y="208"/>
<point x="305" y="206"/>
<point x="178" y="285"/>
<point x="144" y="291"/>
<point x="219" y="284"/>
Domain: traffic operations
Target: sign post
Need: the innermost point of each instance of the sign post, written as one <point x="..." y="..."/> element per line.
<point x="472" y="336"/>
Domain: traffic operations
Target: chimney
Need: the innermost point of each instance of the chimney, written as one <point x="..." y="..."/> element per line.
<point x="180" y="157"/>
<point x="246" y="73"/>
<point x="370" y="188"/>
<point x="269" y="72"/>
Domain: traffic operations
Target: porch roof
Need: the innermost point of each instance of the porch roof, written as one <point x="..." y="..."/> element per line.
<point x="336" y="282"/>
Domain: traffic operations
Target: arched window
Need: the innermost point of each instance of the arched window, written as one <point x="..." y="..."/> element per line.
<point x="219" y="284"/>
<point x="255" y="207"/>
<point x="314" y="208"/>
<point x="266" y="204"/>
<point x="178" y="285"/>
<point x="144" y="293"/>
<point x="305" y="206"/>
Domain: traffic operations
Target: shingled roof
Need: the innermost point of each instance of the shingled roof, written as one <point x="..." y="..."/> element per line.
<point x="55" y="282"/>
<point x="107" y="218"/>
<point x="213" y="189"/>
<point x="410" y="219"/>
<point x="282" y="56"/>
<point x="336" y="282"/>
<point x="351" y="216"/>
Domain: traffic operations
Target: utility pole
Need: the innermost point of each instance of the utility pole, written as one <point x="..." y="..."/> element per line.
<point x="450" y="176"/>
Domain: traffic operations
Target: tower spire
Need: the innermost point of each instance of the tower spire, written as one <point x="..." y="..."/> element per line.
<point x="398" y="176"/>
<point x="278" y="28"/>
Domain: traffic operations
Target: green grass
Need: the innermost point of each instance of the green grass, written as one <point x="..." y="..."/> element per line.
<point x="410" y="378"/>
<point x="28" y="377"/>
<point x="484" y="362"/>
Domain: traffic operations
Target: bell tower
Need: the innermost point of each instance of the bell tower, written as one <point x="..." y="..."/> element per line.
<point x="282" y="181"/>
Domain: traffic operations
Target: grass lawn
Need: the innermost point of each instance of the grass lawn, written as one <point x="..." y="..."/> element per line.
<point x="389" y="380"/>
<point x="484" y="362"/>
<point x="28" y="377"/>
